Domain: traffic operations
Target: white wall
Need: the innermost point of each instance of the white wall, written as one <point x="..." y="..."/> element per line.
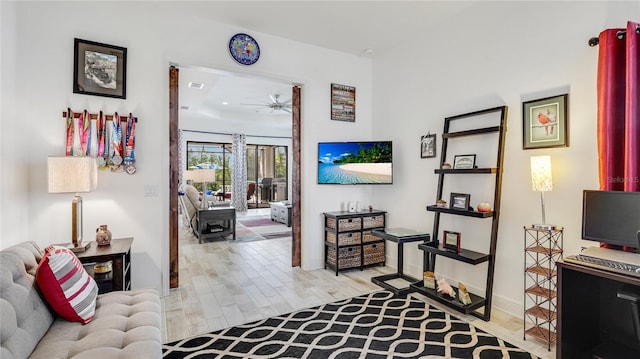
<point x="43" y="63"/>
<point x="13" y="153"/>
<point x="495" y="53"/>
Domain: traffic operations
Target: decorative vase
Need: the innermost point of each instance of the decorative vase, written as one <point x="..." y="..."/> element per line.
<point x="484" y="207"/>
<point x="103" y="235"/>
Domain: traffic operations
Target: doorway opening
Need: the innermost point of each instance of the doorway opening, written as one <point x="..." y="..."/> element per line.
<point x="269" y="189"/>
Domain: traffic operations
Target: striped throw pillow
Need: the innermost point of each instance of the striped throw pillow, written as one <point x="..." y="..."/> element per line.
<point x="68" y="288"/>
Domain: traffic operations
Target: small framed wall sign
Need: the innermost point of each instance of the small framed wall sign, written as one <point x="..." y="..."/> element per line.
<point x="99" y="69"/>
<point x="343" y="103"/>
<point x="545" y="123"/>
<point x="451" y="241"/>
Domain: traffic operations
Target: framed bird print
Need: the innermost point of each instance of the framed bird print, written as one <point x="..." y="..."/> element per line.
<point x="545" y="123"/>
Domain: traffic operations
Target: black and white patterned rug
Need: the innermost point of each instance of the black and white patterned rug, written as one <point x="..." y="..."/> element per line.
<point x="377" y="325"/>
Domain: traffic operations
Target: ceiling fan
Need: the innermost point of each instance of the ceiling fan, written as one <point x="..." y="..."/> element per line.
<point x="274" y="105"/>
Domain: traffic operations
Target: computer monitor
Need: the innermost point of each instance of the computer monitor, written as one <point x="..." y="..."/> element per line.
<point x="611" y="217"/>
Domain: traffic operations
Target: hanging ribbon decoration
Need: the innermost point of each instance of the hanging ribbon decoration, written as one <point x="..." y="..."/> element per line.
<point x="129" y="159"/>
<point x="117" y="142"/>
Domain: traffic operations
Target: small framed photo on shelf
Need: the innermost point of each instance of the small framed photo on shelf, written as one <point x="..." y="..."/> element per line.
<point x="428" y="146"/>
<point x="99" y="69"/>
<point x="464" y="162"/>
<point x="545" y="123"/>
<point x="460" y="201"/>
<point x="451" y="241"/>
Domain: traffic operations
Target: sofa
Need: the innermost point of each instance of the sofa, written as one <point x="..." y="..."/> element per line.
<point x="126" y="323"/>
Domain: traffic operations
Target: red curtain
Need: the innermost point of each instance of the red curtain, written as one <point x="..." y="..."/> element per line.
<point x="619" y="109"/>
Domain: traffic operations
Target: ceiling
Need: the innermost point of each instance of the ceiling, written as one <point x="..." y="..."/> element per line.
<point x="362" y="28"/>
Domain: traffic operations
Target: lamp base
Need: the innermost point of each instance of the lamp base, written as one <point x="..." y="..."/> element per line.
<point x="544" y="227"/>
<point x="80" y="248"/>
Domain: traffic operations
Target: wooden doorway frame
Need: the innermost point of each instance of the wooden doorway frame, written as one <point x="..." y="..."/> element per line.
<point x="174" y="172"/>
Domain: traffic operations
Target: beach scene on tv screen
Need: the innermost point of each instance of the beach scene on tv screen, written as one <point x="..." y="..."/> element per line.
<point x="354" y="162"/>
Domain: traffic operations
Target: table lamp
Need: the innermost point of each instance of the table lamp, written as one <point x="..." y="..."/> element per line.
<point x="541" y="181"/>
<point x="202" y="175"/>
<point x="73" y="175"/>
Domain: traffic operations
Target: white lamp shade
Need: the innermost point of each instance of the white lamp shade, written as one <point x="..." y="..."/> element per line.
<point x="541" y="173"/>
<point x="72" y="174"/>
<point x="201" y="175"/>
<point x="188" y="175"/>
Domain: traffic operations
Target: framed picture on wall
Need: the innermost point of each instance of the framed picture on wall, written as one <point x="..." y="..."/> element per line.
<point x="428" y="146"/>
<point x="343" y="103"/>
<point x="545" y="123"/>
<point x="99" y="69"/>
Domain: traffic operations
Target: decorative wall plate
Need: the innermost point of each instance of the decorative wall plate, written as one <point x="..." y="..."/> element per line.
<point x="244" y="49"/>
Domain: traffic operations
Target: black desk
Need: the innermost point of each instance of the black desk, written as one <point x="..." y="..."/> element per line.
<point x="400" y="236"/>
<point x="593" y="321"/>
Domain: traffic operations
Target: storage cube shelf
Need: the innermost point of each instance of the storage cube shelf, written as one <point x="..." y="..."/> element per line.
<point x="348" y="234"/>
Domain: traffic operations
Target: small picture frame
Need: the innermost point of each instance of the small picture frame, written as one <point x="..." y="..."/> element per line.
<point x="545" y="123"/>
<point x="428" y="146"/>
<point x="451" y="241"/>
<point x="461" y="162"/>
<point x="99" y="69"/>
<point x="459" y="201"/>
<point x="343" y="103"/>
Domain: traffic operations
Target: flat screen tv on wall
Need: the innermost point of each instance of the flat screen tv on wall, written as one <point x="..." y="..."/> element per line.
<point x="364" y="162"/>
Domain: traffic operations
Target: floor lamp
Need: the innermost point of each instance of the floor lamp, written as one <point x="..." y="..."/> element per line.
<point x="73" y="175"/>
<point x="541" y="181"/>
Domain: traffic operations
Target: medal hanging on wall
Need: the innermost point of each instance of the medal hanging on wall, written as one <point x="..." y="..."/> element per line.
<point x="116" y="140"/>
<point x="76" y="145"/>
<point x="69" y="145"/>
<point x="108" y="142"/>
<point x="129" y="159"/>
<point x="102" y="137"/>
<point x="84" y="133"/>
<point x="92" y="145"/>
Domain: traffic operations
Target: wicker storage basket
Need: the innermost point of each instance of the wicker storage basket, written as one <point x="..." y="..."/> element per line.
<point x="367" y="236"/>
<point x="373" y="221"/>
<point x="373" y="253"/>
<point x="344" y="239"/>
<point x="348" y="257"/>
<point x="344" y="224"/>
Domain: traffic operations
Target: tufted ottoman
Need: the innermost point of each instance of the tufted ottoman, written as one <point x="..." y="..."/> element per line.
<point x="126" y="324"/>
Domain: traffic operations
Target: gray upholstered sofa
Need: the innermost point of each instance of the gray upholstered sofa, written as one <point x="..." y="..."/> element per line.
<point x="126" y="324"/>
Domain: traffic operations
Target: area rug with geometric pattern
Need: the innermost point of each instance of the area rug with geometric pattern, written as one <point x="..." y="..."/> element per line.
<point x="377" y="325"/>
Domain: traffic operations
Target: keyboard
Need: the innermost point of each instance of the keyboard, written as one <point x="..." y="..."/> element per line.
<point x="605" y="264"/>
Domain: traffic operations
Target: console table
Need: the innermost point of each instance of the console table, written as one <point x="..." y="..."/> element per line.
<point x="119" y="253"/>
<point x="216" y="222"/>
<point x="596" y="316"/>
<point x="400" y="236"/>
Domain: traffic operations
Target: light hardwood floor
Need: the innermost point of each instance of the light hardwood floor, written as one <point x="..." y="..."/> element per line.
<point x="227" y="283"/>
